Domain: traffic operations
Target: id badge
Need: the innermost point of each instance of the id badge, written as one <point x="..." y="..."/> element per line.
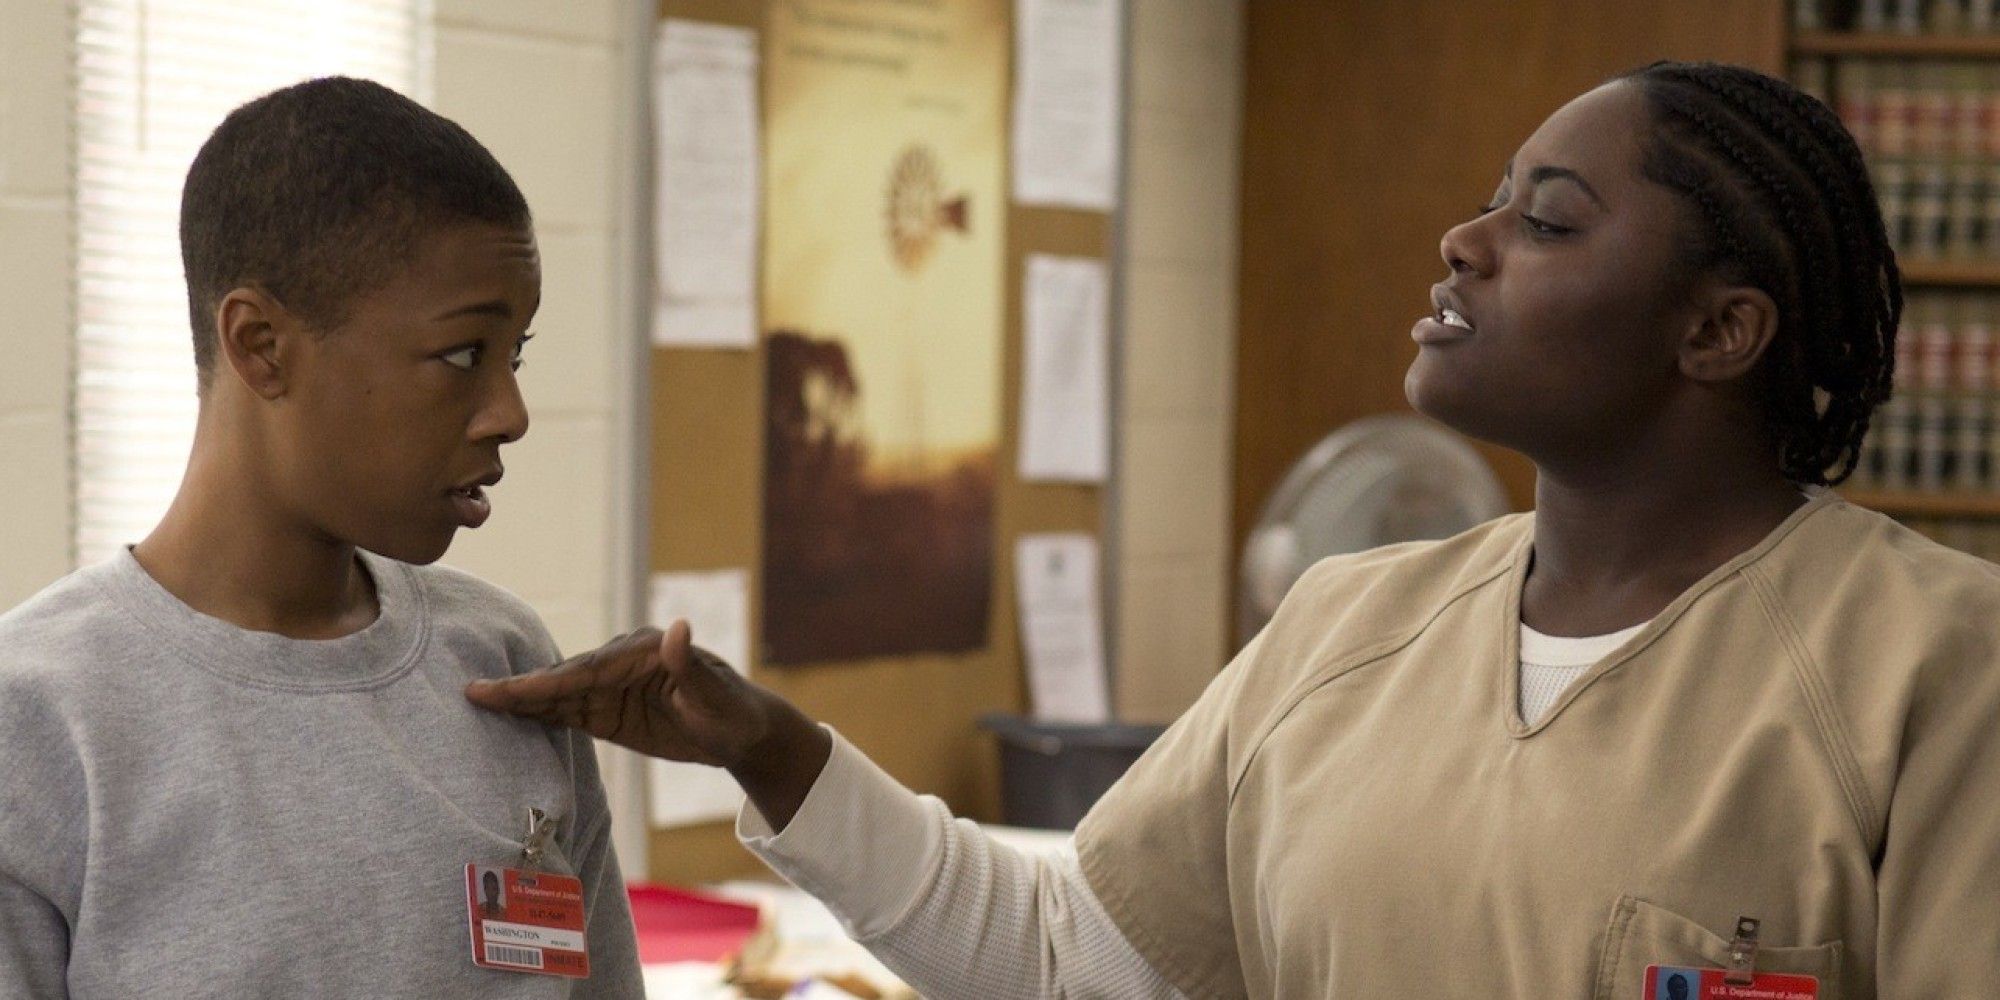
<point x="1667" y="982"/>
<point x="526" y="921"/>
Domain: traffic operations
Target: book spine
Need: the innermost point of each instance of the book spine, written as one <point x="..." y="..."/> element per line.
<point x="1909" y="19"/>
<point x="1893" y="423"/>
<point x="1854" y="102"/>
<point x="1890" y="107"/>
<point x="1873" y="16"/>
<point x="1933" y="427"/>
<point x="1805" y="15"/>
<point x="1947" y="17"/>
<point x="1810" y="74"/>
<point x="1973" y="362"/>
<point x="1991" y="468"/>
<point x="1978" y="16"/>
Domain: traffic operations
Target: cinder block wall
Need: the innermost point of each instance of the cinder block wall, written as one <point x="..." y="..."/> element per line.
<point x="35" y="237"/>
<point x="552" y="89"/>
<point x="1177" y="401"/>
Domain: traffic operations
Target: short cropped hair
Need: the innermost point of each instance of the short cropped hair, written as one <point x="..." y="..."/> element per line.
<point x="319" y="192"/>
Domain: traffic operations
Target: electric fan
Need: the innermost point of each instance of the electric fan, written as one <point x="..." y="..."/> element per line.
<point x="1378" y="480"/>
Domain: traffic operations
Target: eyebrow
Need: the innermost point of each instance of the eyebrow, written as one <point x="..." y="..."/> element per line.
<point x="496" y="308"/>
<point x="1547" y="173"/>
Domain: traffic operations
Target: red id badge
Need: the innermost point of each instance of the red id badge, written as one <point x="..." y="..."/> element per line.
<point x="1667" y="982"/>
<point x="526" y="921"/>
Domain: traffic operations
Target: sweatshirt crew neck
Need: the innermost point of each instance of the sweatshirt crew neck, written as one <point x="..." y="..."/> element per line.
<point x="375" y="656"/>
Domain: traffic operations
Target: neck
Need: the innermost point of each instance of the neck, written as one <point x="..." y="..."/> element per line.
<point x="226" y="549"/>
<point x="1618" y="541"/>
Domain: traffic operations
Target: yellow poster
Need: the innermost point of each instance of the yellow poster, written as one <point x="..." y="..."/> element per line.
<point x="882" y="311"/>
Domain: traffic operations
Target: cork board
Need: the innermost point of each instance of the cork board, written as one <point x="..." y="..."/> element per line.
<point x="915" y="715"/>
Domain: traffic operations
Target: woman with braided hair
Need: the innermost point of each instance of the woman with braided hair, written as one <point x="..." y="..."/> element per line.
<point x="1693" y="719"/>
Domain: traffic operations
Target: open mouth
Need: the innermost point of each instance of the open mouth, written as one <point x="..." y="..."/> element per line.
<point x="1445" y="310"/>
<point x="471" y="504"/>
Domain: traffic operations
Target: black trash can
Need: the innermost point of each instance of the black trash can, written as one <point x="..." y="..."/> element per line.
<point x="1051" y="773"/>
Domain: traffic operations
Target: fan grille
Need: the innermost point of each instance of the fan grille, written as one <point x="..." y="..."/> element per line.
<point x="1377" y="481"/>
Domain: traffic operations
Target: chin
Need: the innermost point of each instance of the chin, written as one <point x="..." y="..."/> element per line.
<point x="416" y="551"/>
<point x="1459" y="407"/>
<point x="1425" y="394"/>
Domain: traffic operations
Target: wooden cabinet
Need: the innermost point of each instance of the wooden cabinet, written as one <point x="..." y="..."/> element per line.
<point x="1371" y="128"/>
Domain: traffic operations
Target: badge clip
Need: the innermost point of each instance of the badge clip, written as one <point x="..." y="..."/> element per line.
<point x="541" y="830"/>
<point x="1742" y="969"/>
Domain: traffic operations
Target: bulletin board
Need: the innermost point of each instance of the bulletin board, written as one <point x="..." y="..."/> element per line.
<point x="914" y="714"/>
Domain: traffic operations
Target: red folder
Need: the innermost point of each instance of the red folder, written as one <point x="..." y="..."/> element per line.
<point x="685" y="925"/>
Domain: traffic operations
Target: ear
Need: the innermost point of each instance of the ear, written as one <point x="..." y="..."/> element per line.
<point x="1731" y="333"/>
<point x="253" y="332"/>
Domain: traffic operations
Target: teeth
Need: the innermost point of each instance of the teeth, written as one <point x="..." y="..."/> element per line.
<point x="1450" y="317"/>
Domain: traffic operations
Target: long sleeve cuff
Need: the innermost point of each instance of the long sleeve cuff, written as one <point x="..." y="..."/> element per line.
<point x="862" y="843"/>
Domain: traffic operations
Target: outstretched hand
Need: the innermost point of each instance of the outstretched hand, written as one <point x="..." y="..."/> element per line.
<point x="648" y="690"/>
<point x="658" y="694"/>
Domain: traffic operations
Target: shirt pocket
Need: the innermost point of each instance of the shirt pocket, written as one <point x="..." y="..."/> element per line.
<point x="1642" y="934"/>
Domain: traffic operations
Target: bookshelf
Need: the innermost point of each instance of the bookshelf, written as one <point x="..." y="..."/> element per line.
<point x="1875" y="43"/>
<point x="1918" y="504"/>
<point x="1918" y="83"/>
<point x="1937" y="272"/>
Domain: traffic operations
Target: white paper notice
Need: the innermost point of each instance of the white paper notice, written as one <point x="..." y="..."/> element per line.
<point x="705" y="221"/>
<point x="1061" y="629"/>
<point x="1066" y="100"/>
<point x="1065" y="404"/>
<point x="717" y="608"/>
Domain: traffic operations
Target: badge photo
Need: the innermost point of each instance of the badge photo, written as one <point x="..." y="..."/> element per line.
<point x="526" y="921"/>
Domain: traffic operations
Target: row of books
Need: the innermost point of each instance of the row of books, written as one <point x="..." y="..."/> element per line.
<point x="1905" y="17"/>
<point x="1979" y="536"/>
<point x="1940" y="431"/>
<point x="1947" y="108"/>
<point x="1930" y="130"/>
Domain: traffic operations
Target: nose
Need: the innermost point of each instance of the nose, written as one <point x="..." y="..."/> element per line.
<point x="503" y="414"/>
<point x="1465" y="248"/>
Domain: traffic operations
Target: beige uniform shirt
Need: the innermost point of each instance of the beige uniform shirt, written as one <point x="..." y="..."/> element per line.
<point x="1809" y="736"/>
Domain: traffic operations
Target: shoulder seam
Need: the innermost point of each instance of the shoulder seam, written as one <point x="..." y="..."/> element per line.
<point x="1341" y="667"/>
<point x="1827" y="724"/>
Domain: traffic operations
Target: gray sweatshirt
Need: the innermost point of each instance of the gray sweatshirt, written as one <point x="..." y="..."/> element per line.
<point x="189" y="809"/>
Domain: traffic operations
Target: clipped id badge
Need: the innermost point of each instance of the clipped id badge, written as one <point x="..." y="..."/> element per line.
<point x="1740" y="981"/>
<point x="1667" y="982"/>
<point x="525" y="920"/>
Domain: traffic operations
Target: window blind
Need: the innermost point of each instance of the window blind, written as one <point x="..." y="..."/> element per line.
<point x="153" y="78"/>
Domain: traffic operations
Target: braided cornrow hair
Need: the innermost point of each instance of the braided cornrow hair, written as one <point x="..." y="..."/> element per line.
<point x="1781" y="201"/>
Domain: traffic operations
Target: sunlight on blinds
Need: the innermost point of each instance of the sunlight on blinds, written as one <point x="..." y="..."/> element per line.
<point x="152" y="79"/>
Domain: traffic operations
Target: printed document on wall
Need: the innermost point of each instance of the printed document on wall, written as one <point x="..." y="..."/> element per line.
<point x="1065" y="406"/>
<point x="717" y="608"/>
<point x="1067" y="83"/>
<point x="1062" y="632"/>
<point x="706" y="196"/>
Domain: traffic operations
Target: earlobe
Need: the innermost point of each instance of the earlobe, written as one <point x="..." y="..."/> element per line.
<point x="1731" y="336"/>
<point x="251" y="330"/>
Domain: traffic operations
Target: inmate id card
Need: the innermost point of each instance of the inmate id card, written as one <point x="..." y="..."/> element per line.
<point x="1666" y="982"/>
<point x="526" y="921"/>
